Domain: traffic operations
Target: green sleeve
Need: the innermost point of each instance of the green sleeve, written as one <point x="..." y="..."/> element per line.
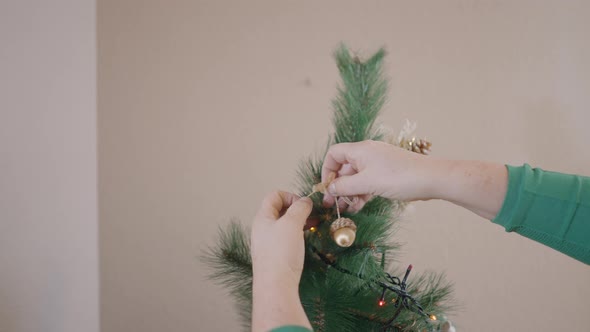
<point x="291" y="328"/>
<point x="550" y="208"/>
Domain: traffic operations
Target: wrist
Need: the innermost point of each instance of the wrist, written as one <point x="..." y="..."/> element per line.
<point x="272" y="281"/>
<point x="450" y="182"/>
<point x="435" y="174"/>
<point x="280" y="269"/>
<point x="475" y="185"/>
<point x="270" y="293"/>
<point x="276" y="303"/>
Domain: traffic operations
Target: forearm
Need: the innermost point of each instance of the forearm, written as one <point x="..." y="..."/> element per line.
<point x="276" y="304"/>
<point x="475" y="185"/>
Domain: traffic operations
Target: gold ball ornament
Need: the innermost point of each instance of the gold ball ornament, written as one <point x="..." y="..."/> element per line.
<point x="343" y="232"/>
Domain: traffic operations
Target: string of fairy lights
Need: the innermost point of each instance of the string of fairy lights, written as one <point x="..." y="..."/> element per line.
<point x="391" y="283"/>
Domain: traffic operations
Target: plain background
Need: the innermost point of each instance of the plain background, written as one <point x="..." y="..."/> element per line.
<point x="48" y="187"/>
<point x="204" y="107"/>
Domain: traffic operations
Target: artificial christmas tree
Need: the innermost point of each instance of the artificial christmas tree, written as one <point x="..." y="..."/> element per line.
<point x="345" y="285"/>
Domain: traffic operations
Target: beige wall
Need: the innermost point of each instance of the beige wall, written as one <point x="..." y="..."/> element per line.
<point x="48" y="190"/>
<point x="206" y="106"/>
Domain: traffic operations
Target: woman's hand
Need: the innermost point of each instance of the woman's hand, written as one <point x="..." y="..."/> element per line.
<point x="277" y="237"/>
<point x="278" y="253"/>
<point x="372" y="168"/>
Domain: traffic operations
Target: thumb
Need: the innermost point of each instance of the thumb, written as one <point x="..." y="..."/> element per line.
<point x="352" y="185"/>
<point x="299" y="210"/>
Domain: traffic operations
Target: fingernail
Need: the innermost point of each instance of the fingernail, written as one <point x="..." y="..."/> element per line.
<point x="332" y="189"/>
<point x="306" y="199"/>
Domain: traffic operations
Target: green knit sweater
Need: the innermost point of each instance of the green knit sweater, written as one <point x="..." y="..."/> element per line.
<point x="548" y="207"/>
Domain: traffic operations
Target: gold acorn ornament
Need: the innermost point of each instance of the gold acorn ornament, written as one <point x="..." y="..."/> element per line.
<point x="343" y="231"/>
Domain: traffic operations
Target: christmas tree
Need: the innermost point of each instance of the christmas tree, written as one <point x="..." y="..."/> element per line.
<point x="349" y="281"/>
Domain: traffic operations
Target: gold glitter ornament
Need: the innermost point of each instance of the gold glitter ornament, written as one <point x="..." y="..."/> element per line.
<point x="343" y="231"/>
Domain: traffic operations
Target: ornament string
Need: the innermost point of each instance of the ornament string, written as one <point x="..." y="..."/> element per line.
<point x="337" y="207"/>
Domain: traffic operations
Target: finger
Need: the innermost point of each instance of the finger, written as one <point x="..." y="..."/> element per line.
<point x="359" y="203"/>
<point x="299" y="211"/>
<point x="349" y="200"/>
<point x="347" y="169"/>
<point x="328" y="200"/>
<point x="274" y="203"/>
<point x="338" y="155"/>
<point x="352" y="185"/>
<point x="342" y="205"/>
<point x="336" y="158"/>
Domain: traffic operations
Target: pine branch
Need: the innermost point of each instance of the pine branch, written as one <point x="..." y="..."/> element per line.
<point x="360" y="97"/>
<point x="232" y="267"/>
<point x="308" y="174"/>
